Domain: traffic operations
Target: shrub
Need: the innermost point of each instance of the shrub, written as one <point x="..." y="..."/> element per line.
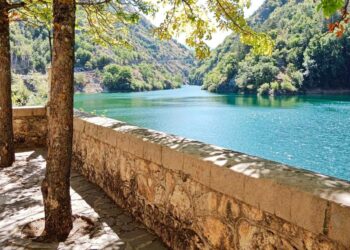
<point x="79" y="80"/>
<point x="264" y="89"/>
<point x="20" y="93"/>
<point x="112" y="68"/>
<point x="102" y="61"/>
<point x="118" y="78"/>
<point x="82" y="57"/>
<point x="274" y="85"/>
<point x="288" y="87"/>
<point x="40" y="65"/>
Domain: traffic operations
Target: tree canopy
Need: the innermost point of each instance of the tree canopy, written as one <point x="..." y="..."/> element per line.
<point x="197" y="19"/>
<point x="305" y="56"/>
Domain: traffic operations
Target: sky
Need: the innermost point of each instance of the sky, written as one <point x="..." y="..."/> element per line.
<point x="218" y="36"/>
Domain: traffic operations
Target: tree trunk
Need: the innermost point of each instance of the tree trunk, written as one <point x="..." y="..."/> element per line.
<point x="56" y="185"/>
<point x="7" y="153"/>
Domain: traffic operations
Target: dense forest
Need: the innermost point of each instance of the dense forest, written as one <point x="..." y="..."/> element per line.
<point x="305" y="56"/>
<point x="148" y="64"/>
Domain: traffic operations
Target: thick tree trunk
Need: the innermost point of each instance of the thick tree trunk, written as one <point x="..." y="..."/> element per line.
<point x="55" y="187"/>
<point x="7" y="155"/>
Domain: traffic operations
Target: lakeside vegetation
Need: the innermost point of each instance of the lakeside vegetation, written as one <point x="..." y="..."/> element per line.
<point x="305" y="55"/>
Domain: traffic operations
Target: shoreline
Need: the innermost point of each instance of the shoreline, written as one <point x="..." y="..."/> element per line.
<point x="310" y="92"/>
<point x="313" y="92"/>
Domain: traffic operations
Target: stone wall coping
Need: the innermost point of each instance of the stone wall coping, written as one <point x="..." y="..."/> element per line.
<point x="29" y="111"/>
<point x="316" y="202"/>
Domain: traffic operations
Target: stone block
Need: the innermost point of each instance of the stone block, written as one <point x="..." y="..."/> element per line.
<point x="269" y="196"/>
<point x="198" y="169"/>
<point x="145" y="188"/>
<point x="228" y="208"/>
<point x="252" y="213"/>
<point x="259" y="192"/>
<point x="126" y="163"/>
<point x="172" y="159"/>
<point x="22" y="111"/>
<point x="339" y="224"/>
<point x="180" y="200"/>
<point x="308" y="211"/>
<point x="169" y="183"/>
<point x="282" y="200"/>
<point x="152" y="152"/>
<point x="107" y="135"/>
<point x="227" y="181"/>
<point x="206" y="204"/>
<point x="136" y="146"/>
<point x="78" y="124"/>
<point x="91" y="129"/>
<point x="252" y="236"/>
<point x="29" y="130"/>
<point x="141" y="166"/>
<point x="216" y="232"/>
<point x="39" y="111"/>
<point x="122" y="141"/>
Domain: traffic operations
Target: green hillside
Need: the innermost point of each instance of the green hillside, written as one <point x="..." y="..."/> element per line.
<point x="305" y="56"/>
<point x="150" y="64"/>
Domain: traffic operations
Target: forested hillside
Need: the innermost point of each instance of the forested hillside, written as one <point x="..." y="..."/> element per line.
<point x="149" y="64"/>
<point x="305" y="56"/>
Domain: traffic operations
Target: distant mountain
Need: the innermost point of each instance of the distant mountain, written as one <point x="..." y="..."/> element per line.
<point x="151" y="64"/>
<point x="305" y="56"/>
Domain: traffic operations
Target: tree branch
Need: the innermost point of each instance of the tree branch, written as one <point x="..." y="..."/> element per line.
<point x="346" y="5"/>
<point x="15" y="5"/>
<point x="87" y="3"/>
<point x="233" y="21"/>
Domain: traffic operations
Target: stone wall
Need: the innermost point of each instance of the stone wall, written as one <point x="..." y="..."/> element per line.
<point x="199" y="196"/>
<point x="30" y="126"/>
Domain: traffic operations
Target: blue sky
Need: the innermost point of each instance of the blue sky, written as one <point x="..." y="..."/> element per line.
<point x="219" y="36"/>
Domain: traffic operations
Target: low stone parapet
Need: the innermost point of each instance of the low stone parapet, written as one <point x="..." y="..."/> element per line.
<point x="199" y="196"/>
<point x="30" y="126"/>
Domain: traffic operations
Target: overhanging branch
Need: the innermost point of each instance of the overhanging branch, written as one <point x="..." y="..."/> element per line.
<point x="15" y="6"/>
<point x="85" y="3"/>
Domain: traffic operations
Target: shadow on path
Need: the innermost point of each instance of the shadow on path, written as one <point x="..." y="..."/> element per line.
<point x="133" y="234"/>
<point x="21" y="203"/>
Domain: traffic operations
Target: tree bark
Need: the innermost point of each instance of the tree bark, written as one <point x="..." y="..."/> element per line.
<point x="7" y="152"/>
<point x="56" y="185"/>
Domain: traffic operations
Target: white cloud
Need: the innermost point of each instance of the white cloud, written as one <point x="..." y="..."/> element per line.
<point x="219" y="36"/>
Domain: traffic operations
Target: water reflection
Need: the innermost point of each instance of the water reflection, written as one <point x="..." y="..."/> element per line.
<point x="116" y="100"/>
<point x="262" y="101"/>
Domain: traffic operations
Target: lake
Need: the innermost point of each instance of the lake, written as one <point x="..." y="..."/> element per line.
<point x="310" y="132"/>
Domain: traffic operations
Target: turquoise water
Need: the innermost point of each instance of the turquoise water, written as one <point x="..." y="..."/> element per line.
<point x="310" y="132"/>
